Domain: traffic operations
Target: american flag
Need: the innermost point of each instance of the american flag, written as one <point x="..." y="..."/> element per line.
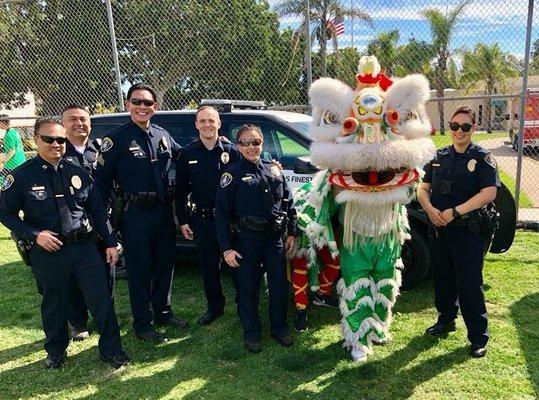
<point x="337" y="25"/>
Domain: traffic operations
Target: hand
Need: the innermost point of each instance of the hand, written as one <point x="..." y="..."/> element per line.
<point x="49" y="241"/>
<point x="231" y="260"/>
<point x="289" y="244"/>
<point x="435" y="217"/>
<point x="277" y="163"/>
<point x="111" y="254"/>
<point x="187" y="232"/>
<point x="447" y="215"/>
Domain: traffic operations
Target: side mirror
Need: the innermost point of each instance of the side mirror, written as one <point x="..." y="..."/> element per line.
<point x="303" y="166"/>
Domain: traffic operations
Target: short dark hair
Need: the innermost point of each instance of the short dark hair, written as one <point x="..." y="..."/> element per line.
<point x="141" y="86"/>
<point x="53" y="120"/>
<point x="465" y="110"/>
<point x="4" y="118"/>
<point x="205" y="108"/>
<point x="73" y="107"/>
<point x="247" y="128"/>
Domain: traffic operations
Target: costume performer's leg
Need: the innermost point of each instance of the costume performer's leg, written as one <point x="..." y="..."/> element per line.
<point x="300" y="281"/>
<point x="329" y="271"/>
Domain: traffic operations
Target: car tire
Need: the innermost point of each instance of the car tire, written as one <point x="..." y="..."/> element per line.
<point x="416" y="259"/>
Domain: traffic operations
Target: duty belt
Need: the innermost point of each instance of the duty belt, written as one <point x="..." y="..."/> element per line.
<point x="145" y="200"/>
<point x="204" y="212"/>
<point x="79" y="236"/>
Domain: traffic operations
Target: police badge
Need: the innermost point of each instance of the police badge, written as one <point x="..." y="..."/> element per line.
<point x="225" y="157"/>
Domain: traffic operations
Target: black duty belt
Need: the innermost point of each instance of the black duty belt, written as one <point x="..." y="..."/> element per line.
<point x="144" y="200"/>
<point x="464" y="220"/>
<point x="204" y="212"/>
<point x="78" y="236"/>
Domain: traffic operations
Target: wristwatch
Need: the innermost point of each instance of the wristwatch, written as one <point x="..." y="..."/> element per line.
<point x="456" y="214"/>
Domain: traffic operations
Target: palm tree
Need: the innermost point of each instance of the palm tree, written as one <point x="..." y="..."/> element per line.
<point x="385" y="48"/>
<point x="442" y="27"/>
<point x="320" y="13"/>
<point x="488" y="66"/>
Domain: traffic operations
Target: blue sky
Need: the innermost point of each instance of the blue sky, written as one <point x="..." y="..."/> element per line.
<point x="486" y="21"/>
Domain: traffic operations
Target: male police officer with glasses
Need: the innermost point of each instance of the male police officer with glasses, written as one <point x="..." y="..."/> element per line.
<point x="57" y="197"/>
<point x="137" y="157"/>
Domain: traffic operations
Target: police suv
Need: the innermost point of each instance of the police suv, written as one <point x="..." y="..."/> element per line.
<point x="286" y="140"/>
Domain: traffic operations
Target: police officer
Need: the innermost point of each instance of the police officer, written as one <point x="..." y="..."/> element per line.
<point x="458" y="183"/>
<point x="137" y="157"/>
<point x="79" y="148"/>
<point x="254" y="199"/>
<point x="198" y="170"/>
<point x="57" y="197"/>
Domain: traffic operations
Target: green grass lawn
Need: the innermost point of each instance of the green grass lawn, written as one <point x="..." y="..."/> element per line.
<point x="210" y="362"/>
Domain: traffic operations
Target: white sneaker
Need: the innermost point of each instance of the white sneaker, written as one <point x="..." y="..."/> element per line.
<point x="358" y="355"/>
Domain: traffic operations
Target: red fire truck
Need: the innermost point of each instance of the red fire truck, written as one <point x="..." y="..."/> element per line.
<point x="531" y="121"/>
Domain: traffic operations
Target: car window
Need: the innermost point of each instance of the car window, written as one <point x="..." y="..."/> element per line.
<point x="182" y="130"/>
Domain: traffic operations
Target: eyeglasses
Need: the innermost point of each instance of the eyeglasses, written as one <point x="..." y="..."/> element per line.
<point x="138" y="102"/>
<point x="51" y="139"/>
<point x="454" y="126"/>
<point x="247" y="142"/>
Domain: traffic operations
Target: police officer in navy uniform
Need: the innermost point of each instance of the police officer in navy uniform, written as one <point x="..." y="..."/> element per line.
<point x="254" y="200"/>
<point x="57" y="196"/>
<point x="458" y="184"/>
<point x="137" y="157"/>
<point x="198" y="169"/>
<point x="80" y="149"/>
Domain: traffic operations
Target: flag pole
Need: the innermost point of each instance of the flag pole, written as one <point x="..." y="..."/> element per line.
<point x="352" y="25"/>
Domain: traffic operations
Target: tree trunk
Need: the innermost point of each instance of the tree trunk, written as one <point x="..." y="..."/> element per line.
<point x="440" y="79"/>
<point x="488" y="108"/>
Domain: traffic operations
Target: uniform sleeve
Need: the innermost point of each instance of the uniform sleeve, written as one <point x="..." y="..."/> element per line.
<point x="427" y="178"/>
<point x="183" y="188"/>
<point x="175" y="149"/>
<point x="106" y="167"/>
<point x="11" y="203"/>
<point x="487" y="173"/>
<point x="96" y="208"/>
<point x="224" y="203"/>
<point x="291" y="210"/>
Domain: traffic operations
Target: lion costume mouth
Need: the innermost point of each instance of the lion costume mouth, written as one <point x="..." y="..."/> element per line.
<point x="373" y="181"/>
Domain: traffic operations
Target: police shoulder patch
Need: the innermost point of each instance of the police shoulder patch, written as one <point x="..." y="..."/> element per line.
<point x="8" y="181"/>
<point x="226" y="178"/>
<point x="107" y="144"/>
<point x="490" y="160"/>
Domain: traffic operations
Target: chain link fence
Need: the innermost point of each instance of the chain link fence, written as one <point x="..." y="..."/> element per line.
<point x="474" y="52"/>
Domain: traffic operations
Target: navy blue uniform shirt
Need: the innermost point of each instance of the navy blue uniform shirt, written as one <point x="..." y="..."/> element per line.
<point x="198" y="171"/>
<point x="249" y="189"/>
<point x="137" y="160"/>
<point x="88" y="158"/>
<point x="29" y="188"/>
<point x="468" y="172"/>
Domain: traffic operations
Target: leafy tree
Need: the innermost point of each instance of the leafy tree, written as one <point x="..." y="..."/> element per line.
<point x="534" y="62"/>
<point x="442" y="27"/>
<point x="385" y="48"/>
<point x="414" y="57"/>
<point x="320" y="13"/>
<point x="489" y="67"/>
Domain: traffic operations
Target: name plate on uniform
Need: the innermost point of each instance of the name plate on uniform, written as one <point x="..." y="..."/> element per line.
<point x="193" y="162"/>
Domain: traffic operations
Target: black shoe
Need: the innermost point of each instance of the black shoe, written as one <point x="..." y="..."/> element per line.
<point x="209" y="317"/>
<point x="173" y="321"/>
<point x="55" y="360"/>
<point x="152" y="336"/>
<point x="325" y="300"/>
<point x="79" y="334"/>
<point x="478" y="351"/>
<point x="284" y="340"/>
<point x="438" y="329"/>
<point x="253" y="346"/>
<point x="301" y="321"/>
<point x="116" y="361"/>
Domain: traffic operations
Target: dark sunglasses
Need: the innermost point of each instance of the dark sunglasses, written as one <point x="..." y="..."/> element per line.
<point x="138" y="102"/>
<point x="454" y="126"/>
<point x="52" y="139"/>
<point x="247" y="142"/>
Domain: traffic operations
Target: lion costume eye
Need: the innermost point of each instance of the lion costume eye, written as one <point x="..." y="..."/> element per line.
<point x="378" y="110"/>
<point x="361" y="111"/>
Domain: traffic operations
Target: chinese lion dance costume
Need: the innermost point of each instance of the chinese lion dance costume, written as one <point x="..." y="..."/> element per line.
<point x="370" y="144"/>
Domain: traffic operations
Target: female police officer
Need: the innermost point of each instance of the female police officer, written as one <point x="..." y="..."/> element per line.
<point x="255" y="200"/>
<point x="459" y="182"/>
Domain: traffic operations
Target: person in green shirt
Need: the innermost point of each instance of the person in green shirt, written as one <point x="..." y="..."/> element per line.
<point x="12" y="153"/>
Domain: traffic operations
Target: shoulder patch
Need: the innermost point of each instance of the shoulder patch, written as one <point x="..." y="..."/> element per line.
<point x="226" y="178"/>
<point x="8" y="181"/>
<point x="107" y="144"/>
<point x="490" y="160"/>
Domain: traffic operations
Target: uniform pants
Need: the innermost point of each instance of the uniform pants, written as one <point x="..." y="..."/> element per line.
<point x="261" y="253"/>
<point x="457" y="264"/>
<point x="148" y="239"/>
<point x="209" y="257"/>
<point x="53" y="271"/>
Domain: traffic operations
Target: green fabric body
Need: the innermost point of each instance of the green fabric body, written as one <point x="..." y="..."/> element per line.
<point x="12" y="140"/>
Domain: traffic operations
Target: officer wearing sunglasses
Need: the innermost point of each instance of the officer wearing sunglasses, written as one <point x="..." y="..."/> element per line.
<point x="57" y="197"/>
<point x="458" y="184"/>
<point x="255" y="204"/>
<point x="137" y="157"/>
